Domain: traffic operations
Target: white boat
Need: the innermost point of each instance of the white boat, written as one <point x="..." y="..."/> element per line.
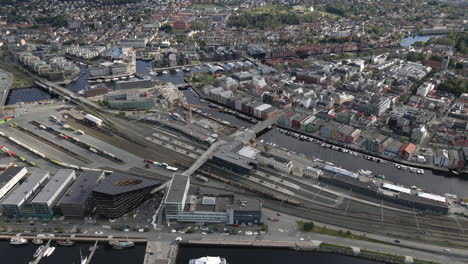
<point x="51" y="250"/>
<point x="208" y="260"/>
<point x="83" y="259"/>
<point x="81" y="92"/>
<point x="165" y="72"/>
<point x="18" y="241"/>
<point x="46" y="252"/>
<point x="38" y="251"/>
<point x="37" y="241"/>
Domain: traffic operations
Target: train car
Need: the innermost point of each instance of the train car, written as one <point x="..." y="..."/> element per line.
<point x="73" y="167"/>
<point x="32" y="163"/>
<point x="80" y="132"/>
<point x="75" y="139"/>
<point x="21" y="158"/>
<point x="42" y="126"/>
<point x="94" y="120"/>
<point x="56" y="162"/>
<point x="172" y="168"/>
<point x="107" y="172"/>
<point x="202" y="178"/>
<point x="2" y="134"/>
<point x="93" y="150"/>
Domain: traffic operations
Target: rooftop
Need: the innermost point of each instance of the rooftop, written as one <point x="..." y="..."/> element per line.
<point x="177" y="189"/>
<point x="55" y="186"/>
<point x="82" y="187"/>
<point x="27" y="188"/>
<point x="120" y="182"/>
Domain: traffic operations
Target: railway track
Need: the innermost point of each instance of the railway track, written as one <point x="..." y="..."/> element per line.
<point x="365" y="218"/>
<point x="149" y="151"/>
<point x="54" y="145"/>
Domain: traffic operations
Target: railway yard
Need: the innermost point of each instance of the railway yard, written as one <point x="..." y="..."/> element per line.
<point x="125" y="147"/>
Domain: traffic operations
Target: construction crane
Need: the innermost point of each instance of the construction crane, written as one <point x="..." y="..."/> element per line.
<point x="189" y="106"/>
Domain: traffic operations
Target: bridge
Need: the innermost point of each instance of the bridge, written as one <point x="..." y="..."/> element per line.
<point x="6" y="80"/>
<point x="243" y="136"/>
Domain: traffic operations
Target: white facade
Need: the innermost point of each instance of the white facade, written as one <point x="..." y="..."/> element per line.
<point x="278" y="163"/>
<point x="12" y="182"/>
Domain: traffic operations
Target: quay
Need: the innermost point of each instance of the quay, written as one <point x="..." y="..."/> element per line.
<point x="296" y="245"/>
<point x="79" y="238"/>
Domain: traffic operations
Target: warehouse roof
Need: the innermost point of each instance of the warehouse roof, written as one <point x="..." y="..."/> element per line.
<point x="55" y="186"/>
<point x="27" y="188"/>
<point x="7" y="176"/>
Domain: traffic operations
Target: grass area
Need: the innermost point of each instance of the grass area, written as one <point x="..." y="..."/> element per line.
<point x="333" y="245"/>
<point x="339" y="233"/>
<point x="21" y="82"/>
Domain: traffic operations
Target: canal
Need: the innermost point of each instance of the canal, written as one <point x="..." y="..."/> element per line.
<point x="265" y="256"/>
<point x="104" y="254"/>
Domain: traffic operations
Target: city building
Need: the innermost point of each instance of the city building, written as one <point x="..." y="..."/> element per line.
<point x="275" y="162"/>
<point x="78" y="200"/>
<point x="19" y="198"/>
<point x="45" y="201"/>
<point x="235" y="156"/>
<point x="119" y="193"/>
<point x="407" y="150"/>
<point x="9" y="178"/>
<point x="185" y="203"/>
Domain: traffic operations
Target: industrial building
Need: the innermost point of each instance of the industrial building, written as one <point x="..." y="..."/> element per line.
<point x="45" y="201"/>
<point x="18" y="198"/>
<point x="275" y="162"/>
<point x="9" y="178"/>
<point x="119" y="193"/>
<point x="78" y="200"/>
<point x="235" y="156"/>
<point x="185" y="203"/>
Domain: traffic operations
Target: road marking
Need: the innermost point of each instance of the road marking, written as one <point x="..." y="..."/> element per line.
<point x="381" y="211"/>
<point x="458" y="224"/>
<point x="347" y="205"/>
<point x="416" y="218"/>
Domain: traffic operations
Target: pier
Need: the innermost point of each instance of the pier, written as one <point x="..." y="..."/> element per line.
<point x="79" y="238"/>
<point x="36" y="261"/>
<point x="88" y="260"/>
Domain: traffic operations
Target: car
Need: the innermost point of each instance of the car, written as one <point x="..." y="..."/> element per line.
<point x="98" y="233"/>
<point x="397" y="241"/>
<point x="278" y="214"/>
<point x="203" y="233"/>
<point x="447" y="250"/>
<point x="173" y="231"/>
<point x="273" y="219"/>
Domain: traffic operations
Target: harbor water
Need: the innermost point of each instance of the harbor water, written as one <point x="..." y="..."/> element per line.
<point x="68" y="255"/>
<point x="265" y="256"/>
<point x="27" y="95"/>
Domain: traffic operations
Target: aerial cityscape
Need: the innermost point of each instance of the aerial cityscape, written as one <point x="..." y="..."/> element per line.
<point x="226" y="132"/>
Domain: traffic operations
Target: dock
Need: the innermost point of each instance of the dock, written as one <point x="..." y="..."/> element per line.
<point x="88" y="260"/>
<point x="79" y="238"/>
<point x="36" y="261"/>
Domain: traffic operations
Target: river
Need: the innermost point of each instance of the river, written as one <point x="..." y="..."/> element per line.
<point x="69" y="255"/>
<point x="408" y="41"/>
<point x="265" y="256"/>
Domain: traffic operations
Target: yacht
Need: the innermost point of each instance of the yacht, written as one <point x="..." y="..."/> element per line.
<point x="18" y="241"/>
<point x="83" y="259"/>
<point x="38" y="251"/>
<point x="37" y="241"/>
<point x="165" y="72"/>
<point x="49" y="251"/>
<point x="65" y="243"/>
<point x="121" y="244"/>
<point x="208" y="260"/>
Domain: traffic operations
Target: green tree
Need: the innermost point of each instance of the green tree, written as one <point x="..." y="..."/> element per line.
<point x="166" y="28"/>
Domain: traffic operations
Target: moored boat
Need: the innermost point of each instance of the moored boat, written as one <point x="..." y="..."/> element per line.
<point x="65" y="243"/>
<point x="121" y="244"/>
<point x="208" y="260"/>
<point x="37" y="241"/>
<point x="38" y="251"/>
<point x="18" y="241"/>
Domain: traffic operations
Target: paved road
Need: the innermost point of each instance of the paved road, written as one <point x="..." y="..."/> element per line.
<point x="6" y="80"/>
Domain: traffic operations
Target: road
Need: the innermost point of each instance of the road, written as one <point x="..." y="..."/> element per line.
<point x="6" y="80"/>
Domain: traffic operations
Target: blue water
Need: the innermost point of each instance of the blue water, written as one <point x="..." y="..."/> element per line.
<point x="408" y="41"/>
<point x="27" y="95"/>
